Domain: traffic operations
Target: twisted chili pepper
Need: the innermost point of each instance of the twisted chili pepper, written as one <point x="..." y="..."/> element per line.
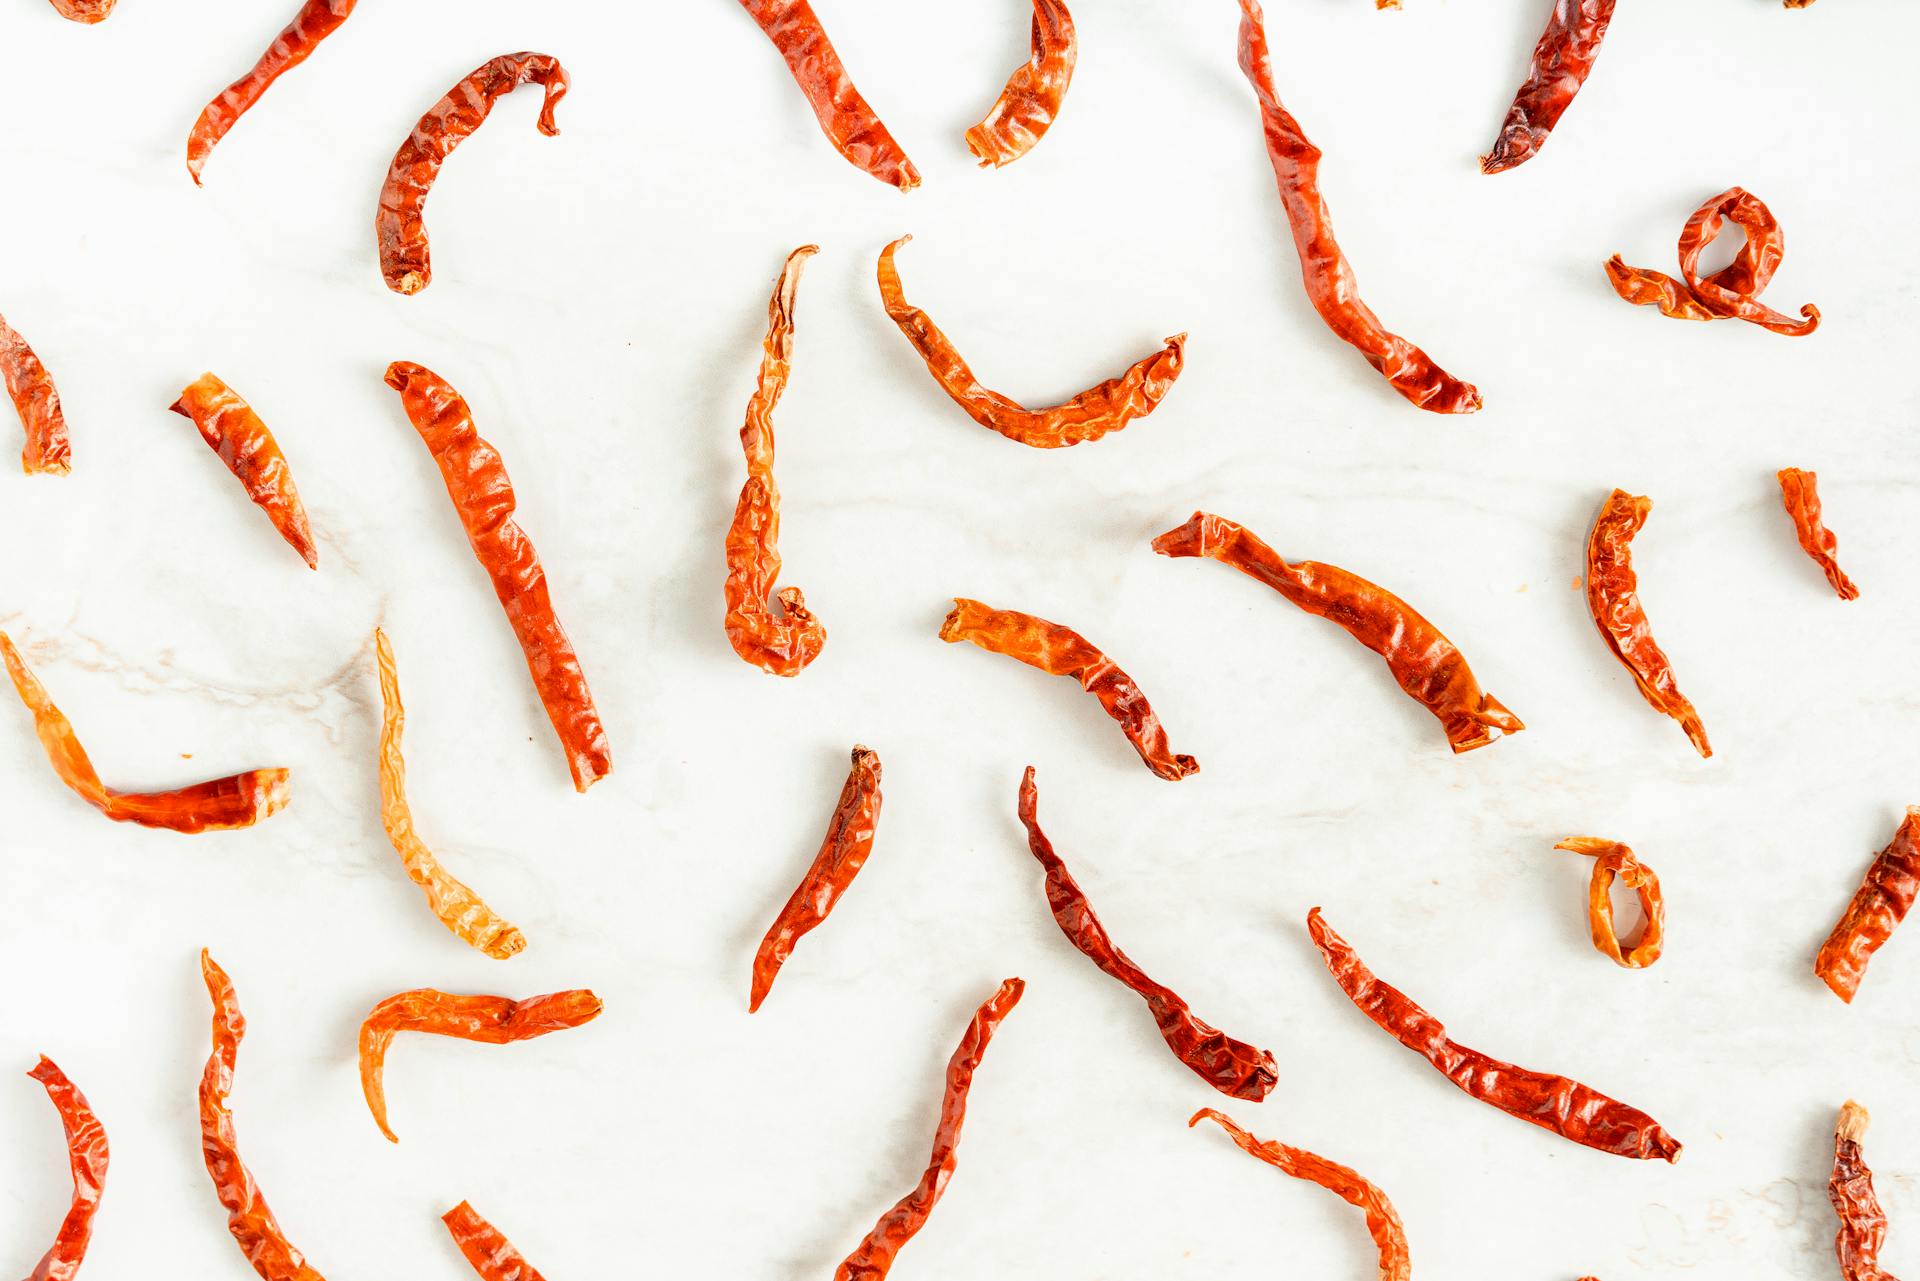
<point x="316" y="20"/>
<point x="1863" y="1224"/>
<point x="1561" y="62"/>
<point x="234" y="432"/>
<point x="31" y="389"/>
<point x="1879" y="905"/>
<point x="1611" y="860"/>
<point x="86" y="1157"/>
<point x="486" y="1247"/>
<point x="1800" y="491"/>
<point x="87" y="11"/>
<point x="1028" y="105"/>
<point x="1734" y="291"/>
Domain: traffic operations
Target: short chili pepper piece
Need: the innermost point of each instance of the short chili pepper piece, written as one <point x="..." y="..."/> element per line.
<point x="1613" y="860"/>
<point x="1801" y="493"/>
<point x="486" y="1247"/>
<point x="1029" y="104"/>
<point x="233" y="431"/>
<point x="87" y="11"/>
<point x="1733" y="292"/>
<point x="1613" y="599"/>
<point x="1561" y="63"/>
<point x="48" y="450"/>
<point x="316" y="20"/>
<point x="1863" y="1224"/>
<point x="1879" y="905"/>
<point x="87" y="1159"/>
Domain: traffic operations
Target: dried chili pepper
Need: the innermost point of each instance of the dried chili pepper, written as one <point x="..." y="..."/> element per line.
<point x="1229" y="1066"/>
<point x="874" y="1256"/>
<point x="490" y="1020"/>
<point x="1878" y="907"/>
<point x="316" y="20"/>
<point x="785" y="644"/>
<point x="1797" y="4"/>
<point x="1061" y="651"/>
<point x="1424" y="662"/>
<point x="31" y="389"/>
<point x="486" y="1247"/>
<point x="400" y="226"/>
<point x="1863" y="1224"/>
<point x="1555" y="1103"/>
<point x="1733" y="292"/>
<point x="1561" y="63"/>
<point x="87" y="11"/>
<point x="476" y="478"/>
<point x="1092" y="414"/>
<point x="1611" y="860"/>
<point x="1614" y="601"/>
<point x="87" y="1158"/>
<point x="238" y="800"/>
<point x="1331" y="286"/>
<point x="1800" y="491"/>
<point x="843" y="852"/>
<point x="1028" y="105"/>
<point x="233" y="431"/>
<point x="249" y="1220"/>
<point x="1383" y="1221"/>
<point x="457" y="907"/>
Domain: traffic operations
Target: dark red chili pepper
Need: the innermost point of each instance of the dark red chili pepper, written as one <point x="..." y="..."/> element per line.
<point x="1800" y="491"/>
<point x="874" y="1256"/>
<point x="1030" y="102"/>
<point x="400" y="227"/>
<point x="1229" y="1066"/>
<point x="86" y="1157"/>
<point x="1863" y="1224"/>
<point x="1734" y="291"/>
<point x="234" y="432"/>
<point x="486" y="1247"/>
<point x="1555" y="1103"/>
<point x="1881" y="903"/>
<point x="1561" y="62"/>
<point x="88" y="11"/>
<point x="316" y="20"/>
<point x="31" y="389"/>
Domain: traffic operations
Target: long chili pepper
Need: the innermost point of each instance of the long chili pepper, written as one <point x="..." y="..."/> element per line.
<point x="1424" y="662"/>
<point x="476" y="479"/>
<point x="252" y="1224"/>
<point x="873" y="1257"/>
<point x="234" y="432"/>
<point x="783" y="644"/>
<point x="1614" y="860"/>
<point x="1555" y="1103"/>
<point x="490" y="1020"/>
<point x="400" y="226"/>
<point x="1733" y="292"/>
<point x="238" y="800"/>
<point x="1879" y="905"/>
<point x="34" y="398"/>
<point x="457" y="907"/>
<point x="1614" y="601"/>
<point x="1092" y="414"/>
<point x="486" y="1247"/>
<point x="843" y="852"/>
<point x="1061" y="651"/>
<point x="1330" y="282"/>
<point x="88" y="11"/>
<point x="316" y="20"/>
<point x="1561" y="62"/>
<point x="1863" y="1224"/>
<point x="1029" y="104"/>
<point x="1229" y="1066"/>
<point x="87" y="1158"/>
<point x="1383" y="1221"/>
<point x="844" y="116"/>
<point x="1800" y="491"/>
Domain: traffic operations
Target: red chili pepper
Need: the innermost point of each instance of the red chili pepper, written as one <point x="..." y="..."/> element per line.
<point x="1028" y="105"/>
<point x="1555" y="1103"/>
<point x="486" y="1247"/>
<point x="849" y="839"/>
<point x="1863" y="1224"/>
<point x="1734" y="291"/>
<point x="1879" y="905"/>
<point x="400" y="226"/>
<point x="87" y="1158"/>
<point x="316" y="20"/>
<point x="1611" y="860"/>
<point x="87" y="11"/>
<point x="31" y="389"/>
<point x="1229" y="1066"/>
<point x="1800" y="491"/>
<point x="1561" y="63"/>
<point x="873" y="1257"/>
<point x="1331" y="286"/>
<point x="849" y="123"/>
<point x="477" y="483"/>
<point x="234" y="432"/>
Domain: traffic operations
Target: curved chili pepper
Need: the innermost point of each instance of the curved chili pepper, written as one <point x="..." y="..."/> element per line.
<point x="234" y="432"/>
<point x="87" y="11"/>
<point x="1383" y="1221"/>
<point x="1089" y="416"/>
<point x="1613" y="600"/>
<point x="476" y="478"/>
<point x="1863" y="1224"/>
<point x="1330" y="282"/>
<point x="1879" y="905"/>
<point x="1561" y="62"/>
<point x="252" y="1224"/>
<point x="1734" y="291"/>
<point x="34" y="398"/>
<point x="1800" y="491"/>
<point x="238" y="800"/>
<point x="1555" y="1103"/>
<point x="849" y="839"/>
<point x="1028" y="105"/>
<point x="1229" y="1066"/>
<point x="316" y="20"/>
<point x="1612" y="859"/>
<point x="400" y="227"/>
<point x="486" y="1247"/>
<point x="844" y="116"/>
<point x="873" y="1257"/>
<point x="490" y="1020"/>
<point x="1061" y="651"/>
<point x="1424" y="662"/>
<point x="86" y="1157"/>
<point x="781" y="645"/>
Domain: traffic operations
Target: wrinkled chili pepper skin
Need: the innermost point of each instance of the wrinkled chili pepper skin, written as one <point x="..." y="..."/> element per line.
<point x="849" y="839"/>
<point x="1092" y="414"/>
<point x="1232" y="1067"/>
<point x="1879" y="905"/>
<point x="1614" y="860"/>
<point x="233" y="431"/>
<point x="87" y="1158"/>
<point x="1863" y="1224"/>
<point x="48" y="450"/>
<point x="1644" y="288"/>
<point x="1613" y="600"/>
<point x="875" y="1255"/>
<point x="1734" y="291"/>
<point x="87" y="11"/>
<point x="486" y="1247"/>
<point x="1554" y="1103"/>
<point x="1801" y="493"/>
<point x="400" y="227"/>
<point x="1329" y="278"/>
<point x="1031" y="101"/>
<point x="316" y="20"/>
<point x="1061" y="651"/>
<point x="238" y="800"/>
<point x="476" y="478"/>
<point x="1561" y="63"/>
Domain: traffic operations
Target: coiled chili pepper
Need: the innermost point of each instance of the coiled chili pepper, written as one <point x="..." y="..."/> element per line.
<point x="1611" y="860"/>
<point x="1800" y="491"/>
<point x="1561" y="63"/>
<point x="316" y="20"/>
<point x="86" y="1158"/>
<point x="31" y="389"/>
<point x="1879" y="905"/>
<point x="1863" y="1224"/>
<point x="1028" y="105"/>
<point x="234" y="432"/>
<point x="1733" y="292"/>
<point x="486" y="1247"/>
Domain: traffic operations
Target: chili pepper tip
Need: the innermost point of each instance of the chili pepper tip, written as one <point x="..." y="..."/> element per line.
<point x="1853" y="1121"/>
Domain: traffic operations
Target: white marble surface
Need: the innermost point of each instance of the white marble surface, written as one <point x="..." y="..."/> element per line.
<point x="599" y="298"/>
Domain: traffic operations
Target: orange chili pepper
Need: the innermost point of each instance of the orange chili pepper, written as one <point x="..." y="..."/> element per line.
<point x="316" y="20"/>
<point x="87" y="11"/>
<point x="87" y="1160"/>
<point x="1879" y="905"/>
<point x="31" y="389"/>
<point x="1734" y="291"/>
<point x="234" y="432"/>
<point x="1800" y="491"/>
<point x="1863" y="1224"/>
<point x="1029" y="104"/>
<point x="1611" y="860"/>
<point x="486" y="1247"/>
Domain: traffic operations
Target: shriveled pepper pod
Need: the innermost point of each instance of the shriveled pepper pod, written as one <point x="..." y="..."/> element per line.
<point x="86" y="1158"/>
<point x="87" y="11"/>
<point x="48" y="449"/>
<point x="1863" y="1224"/>
<point x="1733" y="292"/>
<point x="1799" y="490"/>
<point x="486" y="1247"/>
<point x="1611" y="861"/>
<point x="1879" y="905"/>
<point x="316" y="20"/>
<point x="233" y="431"/>
<point x="1028" y="105"/>
<point x="1561" y="63"/>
